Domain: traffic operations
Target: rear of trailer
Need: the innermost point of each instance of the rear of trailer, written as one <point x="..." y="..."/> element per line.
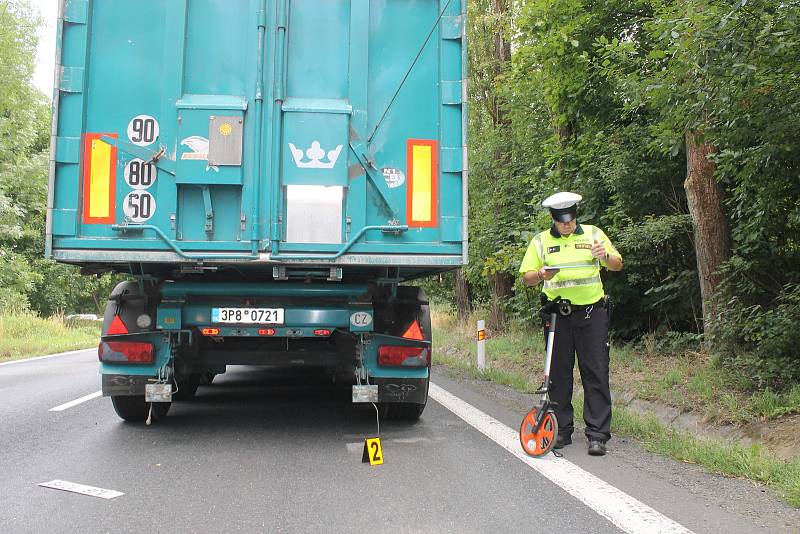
<point x="268" y="172"/>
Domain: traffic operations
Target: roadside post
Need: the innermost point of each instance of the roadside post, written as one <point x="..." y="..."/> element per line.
<point x="482" y="345"/>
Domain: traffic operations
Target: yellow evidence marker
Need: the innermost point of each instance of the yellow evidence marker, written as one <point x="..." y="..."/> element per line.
<point x="373" y="453"/>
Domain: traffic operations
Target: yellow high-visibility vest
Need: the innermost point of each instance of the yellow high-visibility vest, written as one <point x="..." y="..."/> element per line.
<point x="582" y="284"/>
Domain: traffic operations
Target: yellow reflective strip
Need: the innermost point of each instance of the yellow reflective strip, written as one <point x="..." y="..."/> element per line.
<point x="592" y="280"/>
<point x="422" y="184"/>
<point x="100" y="179"/>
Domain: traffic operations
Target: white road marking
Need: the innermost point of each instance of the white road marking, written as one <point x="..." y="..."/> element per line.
<point x="91" y="491"/>
<point x="70" y="404"/>
<point x="46" y="357"/>
<point x="621" y="509"/>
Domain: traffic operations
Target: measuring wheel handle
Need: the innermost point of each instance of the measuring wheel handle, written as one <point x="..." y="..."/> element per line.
<point x="538" y="442"/>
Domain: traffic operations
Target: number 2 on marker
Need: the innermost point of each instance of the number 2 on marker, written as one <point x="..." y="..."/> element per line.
<point x="375" y="451"/>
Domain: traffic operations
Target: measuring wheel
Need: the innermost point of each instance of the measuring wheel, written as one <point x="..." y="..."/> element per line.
<point x="540" y="442"/>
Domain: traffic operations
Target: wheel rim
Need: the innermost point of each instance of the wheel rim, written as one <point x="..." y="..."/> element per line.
<point x="538" y="443"/>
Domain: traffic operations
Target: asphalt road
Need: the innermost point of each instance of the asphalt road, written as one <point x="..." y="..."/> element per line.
<point x="260" y="453"/>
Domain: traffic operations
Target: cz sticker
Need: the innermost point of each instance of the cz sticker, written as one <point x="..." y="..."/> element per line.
<point x="140" y="175"/>
<point x="143" y="130"/>
<point x="139" y="206"/>
<point x="361" y="319"/>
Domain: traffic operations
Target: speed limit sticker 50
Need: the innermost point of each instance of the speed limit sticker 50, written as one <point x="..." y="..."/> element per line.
<point x="139" y="206"/>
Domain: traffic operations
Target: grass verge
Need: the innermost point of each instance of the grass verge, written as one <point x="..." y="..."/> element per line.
<point x="26" y="335"/>
<point x="515" y="360"/>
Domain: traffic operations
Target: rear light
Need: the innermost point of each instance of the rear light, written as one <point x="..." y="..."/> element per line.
<point x="266" y="331"/>
<point x="414" y="332"/>
<point x="117" y="327"/>
<point x="210" y="331"/>
<point x="323" y="332"/>
<point x="125" y="352"/>
<point x="396" y="356"/>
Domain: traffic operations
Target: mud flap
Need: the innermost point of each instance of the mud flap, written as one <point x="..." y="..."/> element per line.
<point x="411" y="390"/>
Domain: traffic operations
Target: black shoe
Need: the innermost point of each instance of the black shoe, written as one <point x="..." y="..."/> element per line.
<point x="597" y="447"/>
<point x="562" y="441"/>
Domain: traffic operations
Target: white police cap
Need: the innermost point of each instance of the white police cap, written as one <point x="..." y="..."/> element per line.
<point x="562" y="200"/>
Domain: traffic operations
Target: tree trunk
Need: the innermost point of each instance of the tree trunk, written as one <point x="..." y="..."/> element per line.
<point x="711" y="240"/>
<point x="501" y="284"/>
<point x="463" y="296"/>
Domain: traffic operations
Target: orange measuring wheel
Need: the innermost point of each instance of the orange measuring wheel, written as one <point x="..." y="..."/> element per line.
<point x="540" y="442"/>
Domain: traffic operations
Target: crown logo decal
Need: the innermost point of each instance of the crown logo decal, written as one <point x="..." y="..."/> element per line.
<point x="315" y="155"/>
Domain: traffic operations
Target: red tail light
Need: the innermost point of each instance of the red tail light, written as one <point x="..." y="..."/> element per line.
<point x="117" y="327"/>
<point x="414" y="332"/>
<point x="396" y="356"/>
<point x="266" y="331"/>
<point x="210" y="331"/>
<point x="323" y="333"/>
<point x="125" y="352"/>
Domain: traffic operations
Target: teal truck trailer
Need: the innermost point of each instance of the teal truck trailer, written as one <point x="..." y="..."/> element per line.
<point x="272" y="175"/>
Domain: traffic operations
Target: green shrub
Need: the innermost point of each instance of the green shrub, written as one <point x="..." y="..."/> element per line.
<point x="762" y="339"/>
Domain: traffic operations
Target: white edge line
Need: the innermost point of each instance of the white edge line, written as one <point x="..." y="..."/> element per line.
<point x="70" y="404"/>
<point x="618" y="507"/>
<point x="26" y="360"/>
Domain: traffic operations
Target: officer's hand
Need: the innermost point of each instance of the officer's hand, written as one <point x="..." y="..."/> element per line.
<point x="547" y="274"/>
<point x="598" y="250"/>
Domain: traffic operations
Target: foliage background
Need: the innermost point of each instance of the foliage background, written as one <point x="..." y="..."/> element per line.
<point x="583" y="95"/>
<point x="599" y="98"/>
<point x="28" y="282"/>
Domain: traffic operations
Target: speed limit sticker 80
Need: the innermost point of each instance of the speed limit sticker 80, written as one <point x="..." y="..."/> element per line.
<point x="139" y="206"/>
<point x="139" y="174"/>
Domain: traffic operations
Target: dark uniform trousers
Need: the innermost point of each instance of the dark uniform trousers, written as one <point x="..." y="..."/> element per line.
<point x="586" y="334"/>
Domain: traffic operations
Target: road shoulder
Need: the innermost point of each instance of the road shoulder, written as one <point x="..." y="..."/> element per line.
<point x="684" y="492"/>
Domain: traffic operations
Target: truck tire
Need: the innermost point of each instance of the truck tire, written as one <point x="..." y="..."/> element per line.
<point x="207" y="378"/>
<point x="187" y="387"/>
<point x="400" y="411"/>
<point x="406" y="411"/>
<point x="135" y="409"/>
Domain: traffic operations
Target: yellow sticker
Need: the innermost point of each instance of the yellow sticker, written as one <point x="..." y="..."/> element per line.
<point x="481" y="335"/>
<point x="373" y="453"/>
<point x="422" y="180"/>
<point x="225" y="129"/>
<point x="100" y="179"/>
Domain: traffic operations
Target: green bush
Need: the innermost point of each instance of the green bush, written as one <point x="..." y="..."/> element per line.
<point x="761" y="339"/>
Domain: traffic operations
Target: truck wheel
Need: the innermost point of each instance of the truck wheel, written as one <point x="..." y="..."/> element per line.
<point x="404" y="411"/>
<point x="187" y="387"/>
<point x="135" y="409"/>
<point x="207" y="378"/>
<point x="404" y="313"/>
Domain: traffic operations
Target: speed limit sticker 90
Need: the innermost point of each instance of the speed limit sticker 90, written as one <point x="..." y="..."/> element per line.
<point x="139" y="174"/>
<point x="139" y="206"/>
<point x="143" y="130"/>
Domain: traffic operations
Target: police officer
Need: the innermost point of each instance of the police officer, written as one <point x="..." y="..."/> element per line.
<point x="568" y="258"/>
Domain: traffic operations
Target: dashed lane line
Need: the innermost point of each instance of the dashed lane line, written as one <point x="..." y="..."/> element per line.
<point x="70" y="404"/>
<point x="618" y="507"/>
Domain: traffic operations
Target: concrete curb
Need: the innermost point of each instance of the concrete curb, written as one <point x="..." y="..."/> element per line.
<point x="743" y="435"/>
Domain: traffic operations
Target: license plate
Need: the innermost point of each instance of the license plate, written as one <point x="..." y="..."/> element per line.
<point x="158" y="392"/>
<point x="247" y="315"/>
